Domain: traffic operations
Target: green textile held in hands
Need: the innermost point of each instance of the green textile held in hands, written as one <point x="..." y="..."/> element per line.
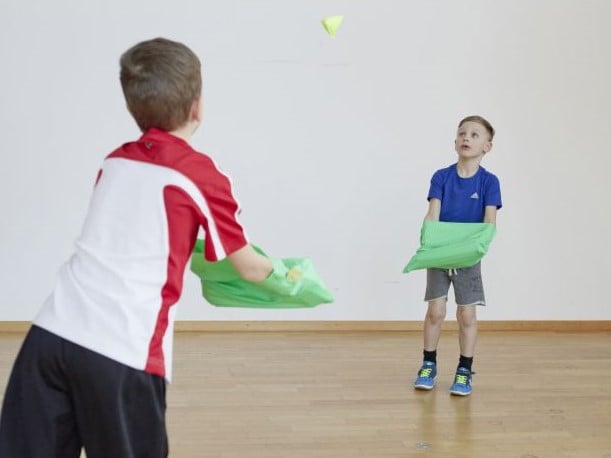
<point x="451" y="245"/>
<point x="222" y="285"/>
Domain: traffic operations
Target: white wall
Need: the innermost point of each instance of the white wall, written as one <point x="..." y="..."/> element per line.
<point x="331" y="142"/>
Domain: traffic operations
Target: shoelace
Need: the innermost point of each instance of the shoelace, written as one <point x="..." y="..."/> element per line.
<point x="425" y="372"/>
<point x="461" y="379"/>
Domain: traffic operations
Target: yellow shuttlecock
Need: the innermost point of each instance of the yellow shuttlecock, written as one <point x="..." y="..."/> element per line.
<point x="294" y="274"/>
<point x="332" y="24"/>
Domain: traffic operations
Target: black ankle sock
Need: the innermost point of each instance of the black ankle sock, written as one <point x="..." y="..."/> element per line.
<point x="430" y="356"/>
<point x="465" y="362"/>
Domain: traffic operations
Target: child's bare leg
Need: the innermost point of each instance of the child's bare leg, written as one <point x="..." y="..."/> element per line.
<point x="467" y="329"/>
<point x="433" y="320"/>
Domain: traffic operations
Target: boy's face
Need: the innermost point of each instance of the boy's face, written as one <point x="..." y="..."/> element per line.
<point x="472" y="140"/>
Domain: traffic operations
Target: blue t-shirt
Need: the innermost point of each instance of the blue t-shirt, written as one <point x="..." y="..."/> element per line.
<point x="463" y="200"/>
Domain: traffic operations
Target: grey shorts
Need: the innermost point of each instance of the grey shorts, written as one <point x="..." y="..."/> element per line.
<point x="467" y="282"/>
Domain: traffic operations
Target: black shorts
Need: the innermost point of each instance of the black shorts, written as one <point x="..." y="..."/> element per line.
<point x="62" y="397"/>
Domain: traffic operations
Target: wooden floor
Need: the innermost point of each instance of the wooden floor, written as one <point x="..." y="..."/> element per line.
<point x="346" y="394"/>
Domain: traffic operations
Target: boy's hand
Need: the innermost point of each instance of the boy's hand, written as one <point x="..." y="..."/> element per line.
<point x="283" y="281"/>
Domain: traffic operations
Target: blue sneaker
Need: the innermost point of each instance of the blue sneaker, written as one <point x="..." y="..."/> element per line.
<point x="426" y="376"/>
<point x="462" y="382"/>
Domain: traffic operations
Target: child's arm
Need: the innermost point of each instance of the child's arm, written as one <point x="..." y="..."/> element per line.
<point x="434" y="210"/>
<point x="490" y="214"/>
<point x="250" y="265"/>
<point x="270" y="274"/>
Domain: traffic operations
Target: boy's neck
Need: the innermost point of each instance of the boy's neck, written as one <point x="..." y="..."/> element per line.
<point x="185" y="132"/>
<point x="466" y="168"/>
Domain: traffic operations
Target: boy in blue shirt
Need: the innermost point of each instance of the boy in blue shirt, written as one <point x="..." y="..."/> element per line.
<point x="464" y="192"/>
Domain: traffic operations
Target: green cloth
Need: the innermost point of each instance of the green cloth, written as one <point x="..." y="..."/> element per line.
<point x="451" y="245"/>
<point x="222" y="285"/>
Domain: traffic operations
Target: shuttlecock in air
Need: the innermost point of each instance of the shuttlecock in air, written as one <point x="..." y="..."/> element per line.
<point x="332" y="24"/>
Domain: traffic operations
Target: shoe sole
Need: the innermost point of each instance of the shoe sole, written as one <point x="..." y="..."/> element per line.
<point x="459" y="393"/>
<point x="426" y="387"/>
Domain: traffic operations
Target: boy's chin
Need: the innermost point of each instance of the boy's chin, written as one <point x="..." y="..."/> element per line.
<point x="470" y="155"/>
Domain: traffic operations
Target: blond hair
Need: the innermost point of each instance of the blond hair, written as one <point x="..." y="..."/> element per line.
<point x="480" y="120"/>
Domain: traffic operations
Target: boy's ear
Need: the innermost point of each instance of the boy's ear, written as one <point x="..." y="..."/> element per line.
<point x="487" y="147"/>
<point x="196" y="110"/>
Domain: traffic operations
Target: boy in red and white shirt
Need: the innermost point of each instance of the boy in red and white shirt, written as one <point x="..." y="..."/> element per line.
<point x="92" y="370"/>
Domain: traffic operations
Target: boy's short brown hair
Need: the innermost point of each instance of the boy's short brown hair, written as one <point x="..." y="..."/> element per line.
<point x="479" y="120"/>
<point x="160" y="79"/>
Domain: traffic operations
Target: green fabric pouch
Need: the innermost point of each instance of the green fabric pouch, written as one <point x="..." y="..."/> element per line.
<point x="222" y="285"/>
<point x="451" y="245"/>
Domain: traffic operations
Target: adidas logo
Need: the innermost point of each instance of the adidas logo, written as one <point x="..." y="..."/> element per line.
<point x="475" y="195"/>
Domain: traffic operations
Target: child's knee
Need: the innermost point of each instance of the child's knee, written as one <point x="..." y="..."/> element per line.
<point x="466" y="316"/>
<point x="436" y="311"/>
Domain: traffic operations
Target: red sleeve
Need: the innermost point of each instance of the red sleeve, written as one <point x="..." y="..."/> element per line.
<point x="224" y="211"/>
<point x="224" y="233"/>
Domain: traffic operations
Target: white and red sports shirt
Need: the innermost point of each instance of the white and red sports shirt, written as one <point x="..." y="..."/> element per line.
<point x="114" y="296"/>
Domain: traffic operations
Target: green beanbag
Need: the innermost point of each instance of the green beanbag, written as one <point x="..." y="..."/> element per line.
<point x="222" y="285"/>
<point x="451" y="245"/>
